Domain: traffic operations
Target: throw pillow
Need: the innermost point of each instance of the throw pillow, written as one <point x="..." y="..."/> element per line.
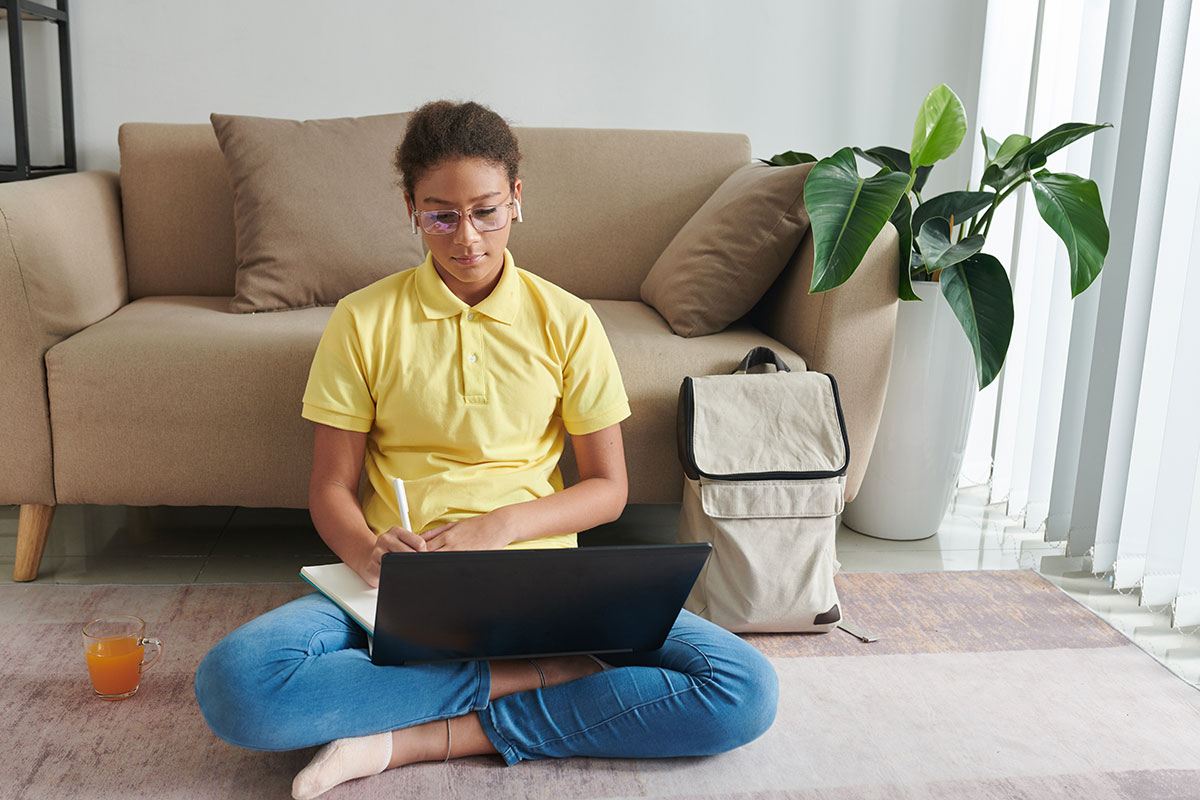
<point x="318" y="209"/>
<point x="731" y="250"/>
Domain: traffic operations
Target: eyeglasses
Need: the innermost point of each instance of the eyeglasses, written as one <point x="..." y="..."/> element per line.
<point x="484" y="218"/>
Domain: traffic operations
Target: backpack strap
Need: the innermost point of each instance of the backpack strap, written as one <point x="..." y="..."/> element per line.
<point x="758" y="357"/>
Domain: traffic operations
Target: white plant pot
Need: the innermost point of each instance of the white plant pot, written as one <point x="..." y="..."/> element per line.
<point x="923" y="430"/>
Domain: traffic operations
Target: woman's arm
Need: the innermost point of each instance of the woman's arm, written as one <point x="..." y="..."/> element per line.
<point x="333" y="504"/>
<point x="599" y="497"/>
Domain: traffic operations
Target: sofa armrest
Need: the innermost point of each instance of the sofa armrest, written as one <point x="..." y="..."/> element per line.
<point x="847" y="332"/>
<point x="62" y="268"/>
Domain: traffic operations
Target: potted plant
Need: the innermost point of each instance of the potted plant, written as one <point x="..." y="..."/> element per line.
<point x="905" y="494"/>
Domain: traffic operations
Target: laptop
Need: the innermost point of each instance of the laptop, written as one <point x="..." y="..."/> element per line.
<point x="496" y="604"/>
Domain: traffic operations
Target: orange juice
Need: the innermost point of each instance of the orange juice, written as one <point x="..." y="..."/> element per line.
<point x="114" y="664"/>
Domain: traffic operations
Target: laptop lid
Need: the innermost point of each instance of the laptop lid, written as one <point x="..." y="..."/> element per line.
<point x="529" y="603"/>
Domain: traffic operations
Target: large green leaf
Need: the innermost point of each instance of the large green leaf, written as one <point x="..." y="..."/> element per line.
<point x="847" y="213"/>
<point x="1058" y="138"/>
<point x="895" y="159"/>
<point x="981" y="297"/>
<point x="961" y="205"/>
<point x="938" y="250"/>
<point x="789" y="159"/>
<point x="1033" y="155"/>
<point x="1071" y="206"/>
<point x="1014" y="144"/>
<point x="940" y="126"/>
<point x="902" y="219"/>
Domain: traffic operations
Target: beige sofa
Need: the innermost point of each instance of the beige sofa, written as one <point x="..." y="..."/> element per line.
<point x="127" y="380"/>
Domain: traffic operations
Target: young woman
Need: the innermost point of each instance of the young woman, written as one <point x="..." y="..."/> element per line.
<point x="463" y="376"/>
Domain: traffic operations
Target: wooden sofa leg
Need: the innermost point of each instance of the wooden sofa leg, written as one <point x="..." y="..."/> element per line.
<point x="33" y="526"/>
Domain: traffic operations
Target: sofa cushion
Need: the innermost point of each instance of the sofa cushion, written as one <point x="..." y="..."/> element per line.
<point x="176" y="401"/>
<point x="318" y="210"/>
<point x="731" y="250"/>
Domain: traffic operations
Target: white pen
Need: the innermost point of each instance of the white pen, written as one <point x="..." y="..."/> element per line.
<point x="402" y="500"/>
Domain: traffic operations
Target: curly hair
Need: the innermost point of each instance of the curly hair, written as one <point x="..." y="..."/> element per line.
<point x="442" y="130"/>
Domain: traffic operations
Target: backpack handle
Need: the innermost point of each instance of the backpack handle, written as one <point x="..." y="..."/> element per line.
<point x="761" y="356"/>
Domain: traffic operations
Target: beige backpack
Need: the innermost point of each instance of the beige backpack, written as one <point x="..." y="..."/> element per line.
<point x="765" y="455"/>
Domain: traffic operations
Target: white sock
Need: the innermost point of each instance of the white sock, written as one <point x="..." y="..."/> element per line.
<point x="343" y="760"/>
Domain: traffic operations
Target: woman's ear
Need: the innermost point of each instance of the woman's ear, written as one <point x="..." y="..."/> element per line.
<point x="517" y="198"/>
<point x="412" y="217"/>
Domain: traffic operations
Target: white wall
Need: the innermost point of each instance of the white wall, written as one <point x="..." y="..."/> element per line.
<point x="793" y="74"/>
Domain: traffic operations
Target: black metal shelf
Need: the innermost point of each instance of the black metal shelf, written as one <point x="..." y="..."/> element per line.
<point x="16" y="13"/>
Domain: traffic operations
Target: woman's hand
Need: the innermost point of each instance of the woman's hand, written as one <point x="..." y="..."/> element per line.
<point x="491" y="531"/>
<point x="394" y="540"/>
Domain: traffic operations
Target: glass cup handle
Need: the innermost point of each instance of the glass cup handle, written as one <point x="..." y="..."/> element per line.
<point x="158" y="645"/>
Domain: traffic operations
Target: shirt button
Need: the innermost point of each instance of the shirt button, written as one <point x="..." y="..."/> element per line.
<point x="471" y="316"/>
<point x="472" y="358"/>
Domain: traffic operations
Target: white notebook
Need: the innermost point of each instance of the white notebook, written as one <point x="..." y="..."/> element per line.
<point x="343" y="586"/>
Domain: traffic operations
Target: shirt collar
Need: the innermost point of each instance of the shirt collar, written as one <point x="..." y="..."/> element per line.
<point x="438" y="302"/>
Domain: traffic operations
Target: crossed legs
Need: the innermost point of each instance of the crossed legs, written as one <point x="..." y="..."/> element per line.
<point x="300" y="676"/>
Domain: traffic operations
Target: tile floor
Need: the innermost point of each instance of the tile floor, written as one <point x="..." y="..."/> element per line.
<point x="119" y="544"/>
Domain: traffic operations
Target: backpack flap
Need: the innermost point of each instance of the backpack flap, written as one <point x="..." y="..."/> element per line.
<point x="762" y="427"/>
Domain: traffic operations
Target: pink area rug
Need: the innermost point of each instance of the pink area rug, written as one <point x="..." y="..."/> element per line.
<point x="982" y="685"/>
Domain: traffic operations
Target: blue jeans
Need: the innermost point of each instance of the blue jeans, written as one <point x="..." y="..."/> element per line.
<point x="300" y="676"/>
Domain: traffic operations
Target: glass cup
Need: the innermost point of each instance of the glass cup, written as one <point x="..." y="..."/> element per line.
<point x="115" y="651"/>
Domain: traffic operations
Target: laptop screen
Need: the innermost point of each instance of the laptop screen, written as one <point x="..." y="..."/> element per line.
<point x="531" y="603"/>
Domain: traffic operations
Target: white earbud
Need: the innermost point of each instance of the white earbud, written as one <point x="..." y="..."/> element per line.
<point x="518" y="202"/>
<point x="412" y="218"/>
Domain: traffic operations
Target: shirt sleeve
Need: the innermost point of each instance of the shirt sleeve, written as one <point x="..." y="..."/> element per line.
<point x="593" y="394"/>
<point x="338" y="393"/>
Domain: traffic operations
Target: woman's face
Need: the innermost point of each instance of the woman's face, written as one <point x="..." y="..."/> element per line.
<point x="468" y="261"/>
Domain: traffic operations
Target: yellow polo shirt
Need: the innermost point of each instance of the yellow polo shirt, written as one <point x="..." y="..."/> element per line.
<point x="468" y="405"/>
